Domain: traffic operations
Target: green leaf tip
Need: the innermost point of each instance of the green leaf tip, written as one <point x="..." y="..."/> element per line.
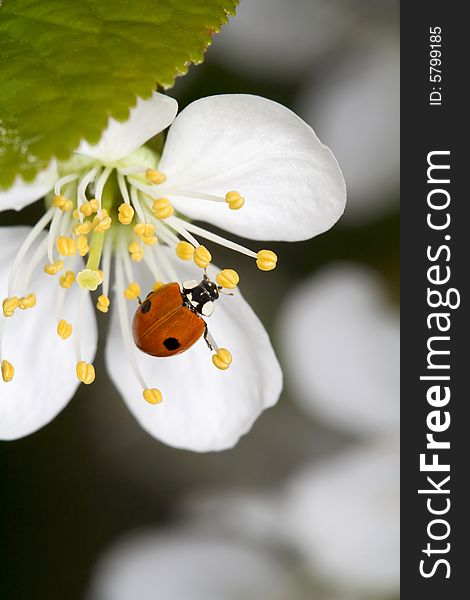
<point x="66" y="66"/>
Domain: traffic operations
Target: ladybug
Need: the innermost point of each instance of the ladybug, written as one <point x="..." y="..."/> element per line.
<point x="169" y="320"/>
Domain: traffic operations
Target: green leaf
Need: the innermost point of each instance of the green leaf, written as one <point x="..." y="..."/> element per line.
<point x="67" y="65"/>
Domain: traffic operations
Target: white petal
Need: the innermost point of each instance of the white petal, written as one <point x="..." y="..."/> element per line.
<point x="203" y="408"/>
<point x="120" y="139"/>
<point x="181" y="565"/>
<point x="292" y="184"/>
<point x="342" y="516"/>
<point x="340" y="341"/>
<point x="356" y="110"/>
<point x="21" y="193"/>
<point x="44" y="364"/>
<point x="279" y="39"/>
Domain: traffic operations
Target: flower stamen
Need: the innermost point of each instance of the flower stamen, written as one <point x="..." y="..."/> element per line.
<point x="54" y="268"/>
<point x="228" y="278"/>
<point x="81" y="191"/>
<point x="26" y="245"/>
<point x="8" y="371"/>
<point x="151" y="395"/>
<point x="66" y="246"/>
<point x="64" y="329"/>
<point x="67" y="280"/>
<point x="26" y="302"/>
<point x="222" y="359"/>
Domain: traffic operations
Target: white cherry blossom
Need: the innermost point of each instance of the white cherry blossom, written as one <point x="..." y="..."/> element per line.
<point x="125" y="209"/>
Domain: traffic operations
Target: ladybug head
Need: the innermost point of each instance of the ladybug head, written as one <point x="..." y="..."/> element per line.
<point x="211" y="288"/>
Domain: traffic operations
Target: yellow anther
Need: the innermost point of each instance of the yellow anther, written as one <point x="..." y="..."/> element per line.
<point x="266" y="260"/>
<point x="27" y="301"/>
<point x="136" y="252"/>
<point x="150" y="241"/>
<point x="202" y="257"/>
<point x="222" y="359"/>
<point x="90" y="279"/>
<point x="228" y="278"/>
<point x="8" y="371"/>
<point x="64" y="329"/>
<point x="234" y="200"/>
<point x="103" y="224"/>
<point x="82" y="228"/>
<point x="54" y="268"/>
<point x="76" y="215"/>
<point x="85" y="372"/>
<point x="67" y="206"/>
<point x="155" y="176"/>
<point x="185" y="250"/>
<point x="67" y="279"/>
<point x="134" y="248"/>
<point x="58" y="201"/>
<point x="162" y="208"/>
<point x="125" y="214"/>
<point x="153" y="396"/>
<point x="144" y="230"/>
<point x="94" y="205"/>
<point x="66" y="246"/>
<point x="103" y="303"/>
<point x="86" y="209"/>
<point x="132" y="292"/>
<point x="82" y="245"/>
<point x="10" y="305"/>
<point x="157" y="285"/>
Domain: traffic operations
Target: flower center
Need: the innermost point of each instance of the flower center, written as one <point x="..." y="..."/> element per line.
<point x="98" y="211"/>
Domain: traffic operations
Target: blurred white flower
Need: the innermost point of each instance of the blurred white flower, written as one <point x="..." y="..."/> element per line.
<point x="356" y="107"/>
<point x="342" y="517"/>
<point x="294" y="190"/>
<point x="342" y="355"/>
<point x="277" y="39"/>
<point x="181" y="565"/>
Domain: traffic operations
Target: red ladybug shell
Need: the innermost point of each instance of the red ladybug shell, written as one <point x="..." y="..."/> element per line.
<point x="163" y="325"/>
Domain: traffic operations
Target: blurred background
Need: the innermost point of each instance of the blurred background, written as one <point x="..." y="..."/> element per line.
<point x="306" y="505"/>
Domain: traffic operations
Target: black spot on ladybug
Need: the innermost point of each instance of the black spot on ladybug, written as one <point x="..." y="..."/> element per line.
<point x="145" y="306"/>
<point x="171" y="343"/>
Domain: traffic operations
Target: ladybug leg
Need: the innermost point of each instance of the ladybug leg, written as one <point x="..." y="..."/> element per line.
<point x="209" y="339"/>
<point x="222" y="357"/>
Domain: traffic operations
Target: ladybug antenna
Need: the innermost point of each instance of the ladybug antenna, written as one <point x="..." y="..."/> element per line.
<point x="221" y="290"/>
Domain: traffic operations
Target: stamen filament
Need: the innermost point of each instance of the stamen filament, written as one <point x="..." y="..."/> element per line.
<point x="179" y="226"/>
<point x="136" y="203"/>
<point x="53" y="234"/>
<point x="100" y="186"/>
<point x="107" y="251"/>
<point x="149" y="260"/>
<point x="123" y="188"/>
<point x="162" y="231"/>
<point x="165" y="263"/>
<point x="163" y="191"/>
<point x="213" y="237"/>
<point x="63" y="181"/>
<point x="82" y="186"/>
<point x="30" y="238"/>
<point x="37" y="257"/>
<point x="124" y="320"/>
<point x="126" y="260"/>
<point x="132" y="170"/>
